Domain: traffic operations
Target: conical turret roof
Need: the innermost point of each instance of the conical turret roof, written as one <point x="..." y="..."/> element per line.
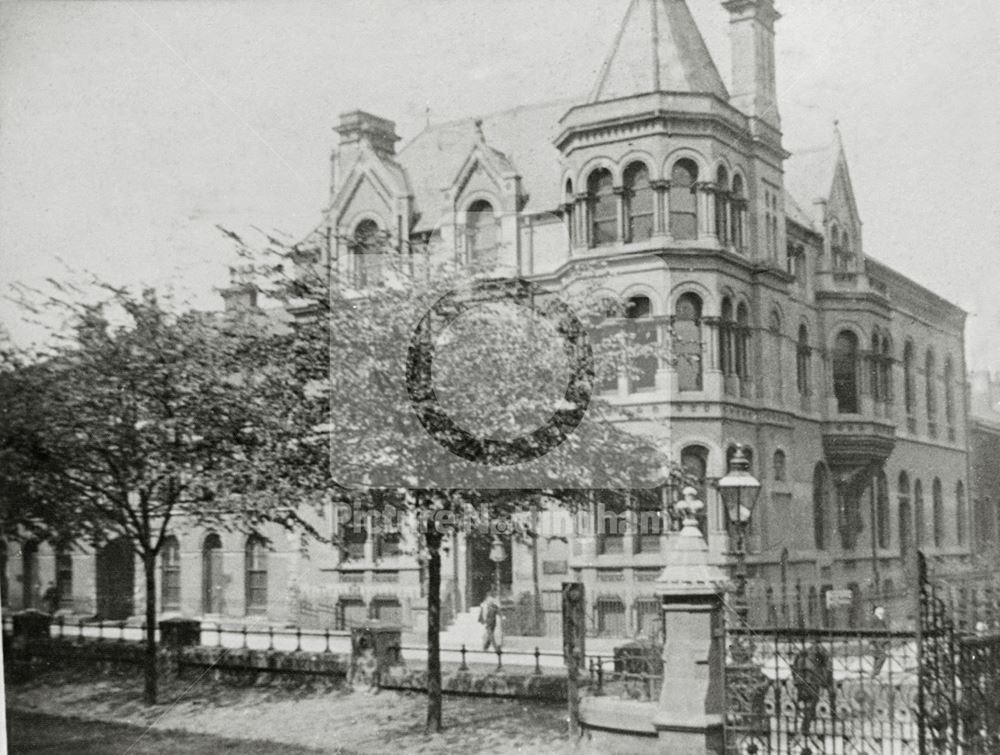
<point x="658" y="48"/>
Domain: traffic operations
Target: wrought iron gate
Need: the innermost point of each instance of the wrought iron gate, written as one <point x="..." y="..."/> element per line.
<point x="929" y="691"/>
<point x="959" y="644"/>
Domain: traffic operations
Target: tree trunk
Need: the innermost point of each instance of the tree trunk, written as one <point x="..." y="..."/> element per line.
<point x="149" y="665"/>
<point x="432" y="537"/>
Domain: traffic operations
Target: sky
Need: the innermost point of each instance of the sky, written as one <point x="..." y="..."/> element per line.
<point x="129" y="130"/>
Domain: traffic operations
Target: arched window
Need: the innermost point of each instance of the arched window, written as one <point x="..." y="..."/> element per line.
<point x="937" y="512"/>
<point x="837" y="249"/>
<point x="909" y="385"/>
<point x="170" y="578"/>
<point x="875" y="368"/>
<point x="821" y="506"/>
<point x="256" y="575"/>
<point x="29" y="574"/>
<point x="802" y="354"/>
<point x="727" y="339"/>
<point x="737" y="206"/>
<point x="881" y="492"/>
<point x="905" y="516"/>
<point x="639" y="202"/>
<point x="743" y="343"/>
<point x="603" y="208"/>
<point x="569" y="213"/>
<point x="64" y="576"/>
<point x="481" y="234"/>
<point x="722" y="206"/>
<point x="929" y="378"/>
<point x="779" y="464"/>
<point x="687" y="342"/>
<point x="694" y="463"/>
<point x="845" y="372"/>
<point x="775" y="357"/>
<point x="919" y="520"/>
<point x="960" y="516"/>
<point x="949" y="396"/>
<point x="886" y="370"/>
<point x="683" y="201"/>
<point x="212" y="579"/>
<point x="612" y="520"/>
<point x="642" y="375"/>
<point x="366" y="254"/>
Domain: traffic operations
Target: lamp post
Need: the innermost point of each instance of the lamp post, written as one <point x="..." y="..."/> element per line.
<point x="497" y="556"/>
<point x="739" y="491"/>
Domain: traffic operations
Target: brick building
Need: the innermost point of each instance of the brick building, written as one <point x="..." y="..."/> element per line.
<point x="843" y="377"/>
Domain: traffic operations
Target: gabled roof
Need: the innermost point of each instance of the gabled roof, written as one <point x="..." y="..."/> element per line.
<point x="810" y="175"/>
<point x="658" y="48"/>
<point x="522" y="138"/>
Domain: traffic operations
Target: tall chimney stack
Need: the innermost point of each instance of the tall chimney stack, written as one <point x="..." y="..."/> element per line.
<point x="751" y="30"/>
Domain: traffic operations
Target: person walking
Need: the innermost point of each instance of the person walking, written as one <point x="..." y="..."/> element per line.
<point x="489" y="617"/>
<point x="881" y="644"/>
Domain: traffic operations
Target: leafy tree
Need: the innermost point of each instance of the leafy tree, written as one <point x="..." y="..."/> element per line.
<point x="398" y="367"/>
<point x="138" y="417"/>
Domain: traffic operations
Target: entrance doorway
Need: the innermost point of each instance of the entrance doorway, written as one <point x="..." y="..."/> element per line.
<point x="29" y="575"/>
<point x="482" y="572"/>
<point x="211" y="574"/>
<point x="115" y="580"/>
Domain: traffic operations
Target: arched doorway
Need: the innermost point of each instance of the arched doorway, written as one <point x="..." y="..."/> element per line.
<point x="211" y="574"/>
<point x="482" y="570"/>
<point x="29" y="575"/>
<point x="115" y="580"/>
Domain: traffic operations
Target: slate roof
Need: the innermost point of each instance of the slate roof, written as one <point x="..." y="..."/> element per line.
<point x="524" y="137"/>
<point x="658" y="48"/>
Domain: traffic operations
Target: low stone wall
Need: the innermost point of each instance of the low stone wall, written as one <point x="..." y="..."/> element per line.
<point x="244" y="667"/>
<point x="520" y="686"/>
<point x="247" y="667"/>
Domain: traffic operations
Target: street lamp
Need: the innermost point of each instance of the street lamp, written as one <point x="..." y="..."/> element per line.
<point x="739" y="491"/>
<point x="497" y="555"/>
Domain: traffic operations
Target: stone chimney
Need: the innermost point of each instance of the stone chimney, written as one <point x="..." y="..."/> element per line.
<point x="751" y="31"/>
<point x="358" y="126"/>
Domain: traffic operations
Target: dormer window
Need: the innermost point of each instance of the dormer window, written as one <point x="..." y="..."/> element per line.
<point x="603" y="208"/>
<point x="366" y="254"/>
<point x="482" y="235"/>
<point x="683" y="202"/>
<point x="638" y="202"/>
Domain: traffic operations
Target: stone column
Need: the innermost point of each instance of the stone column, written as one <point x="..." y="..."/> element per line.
<point x="706" y="212"/>
<point x="661" y="206"/>
<point x="690" y="716"/>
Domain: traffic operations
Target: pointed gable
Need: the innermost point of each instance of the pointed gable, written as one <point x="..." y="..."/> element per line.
<point x="519" y="140"/>
<point x="658" y="48"/>
<point x="819" y="178"/>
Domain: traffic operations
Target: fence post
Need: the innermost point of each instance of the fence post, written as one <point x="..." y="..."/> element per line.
<point x="80" y="627"/>
<point x="62" y="623"/>
<point x="499" y="659"/>
<point x="326" y="636"/>
<point x="463" y="666"/>
<point x="270" y="637"/>
<point x="121" y="631"/>
<point x="298" y="639"/>
<point x="600" y="676"/>
<point x="538" y="660"/>
<point x="218" y="633"/>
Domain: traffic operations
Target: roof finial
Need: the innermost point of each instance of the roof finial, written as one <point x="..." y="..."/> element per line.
<point x="479" y="129"/>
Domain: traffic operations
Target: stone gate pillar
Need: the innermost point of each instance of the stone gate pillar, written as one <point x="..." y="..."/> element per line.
<point x="691" y="708"/>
